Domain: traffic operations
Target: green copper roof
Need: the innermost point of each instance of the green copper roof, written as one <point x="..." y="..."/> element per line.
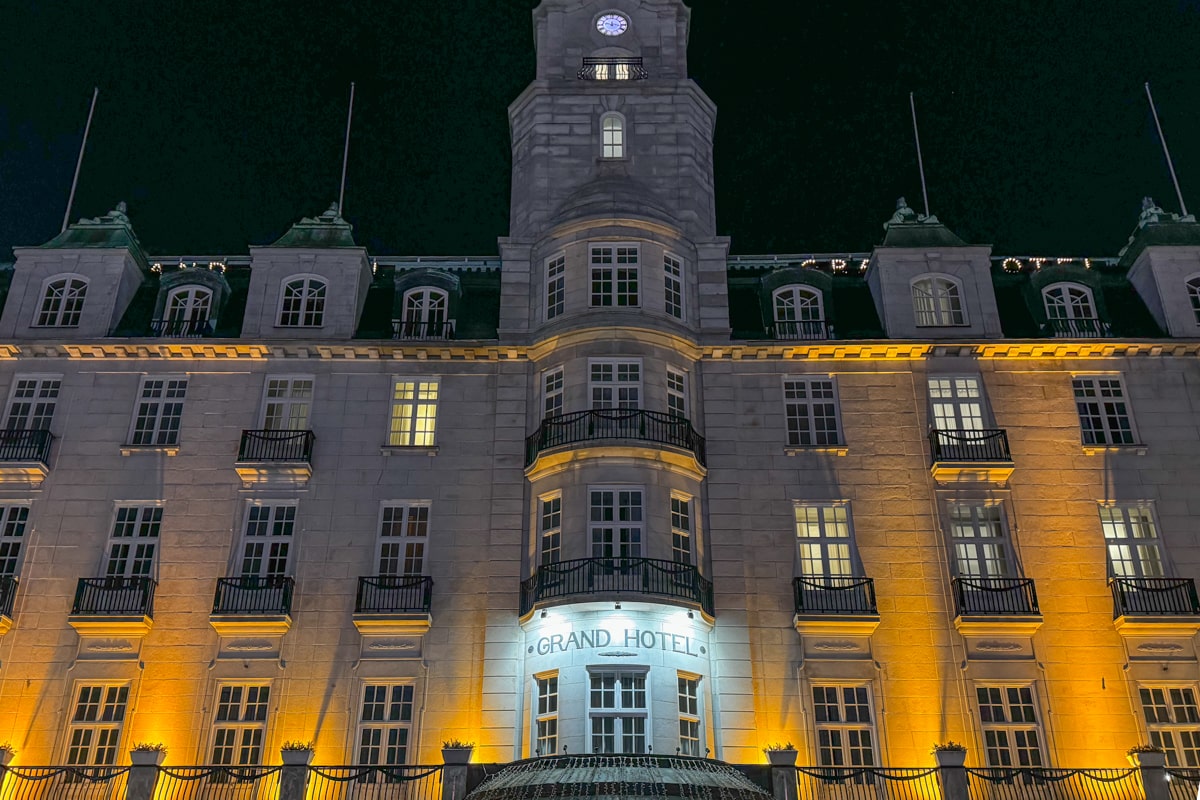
<point x="111" y="230"/>
<point x="327" y="230"/>
<point x="1158" y="227"/>
<point x="906" y="228"/>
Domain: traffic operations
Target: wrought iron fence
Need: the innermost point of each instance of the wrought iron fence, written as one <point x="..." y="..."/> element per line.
<point x="622" y="576"/>
<point x="25" y="445"/>
<point x="868" y="783"/>
<point x="989" y="444"/>
<point x="416" y="329"/>
<point x="168" y="328"/>
<point x="8" y="594"/>
<point x="987" y="596"/>
<point x="835" y="595"/>
<point x="1183" y="784"/>
<point x="614" y="423"/>
<point x="375" y="783"/>
<point x="388" y="593"/>
<point x="217" y="783"/>
<point x="1154" y="596"/>
<point x="620" y="68"/>
<point x="115" y="596"/>
<point x="806" y="329"/>
<point x="1036" y="783"/>
<point x="263" y="596"/>
<point x="1078" y="328"/>
<point x="276" y="446"/>
<point x="63" y="783"/>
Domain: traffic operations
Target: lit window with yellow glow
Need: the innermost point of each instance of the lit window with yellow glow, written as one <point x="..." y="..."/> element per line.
<point x="414" y="413"/>
<point x="240" y="725"/>
<point x="385" y="725"/>
<point x="1173" y="722"/>
<point x="845" y="726"/>
<point x="96" y="724"/>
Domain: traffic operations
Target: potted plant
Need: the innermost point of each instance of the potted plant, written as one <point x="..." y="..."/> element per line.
<point x="148" y="754"/>
<point x="781" y="755"/>
<point x="7" y="751"/>
<point x="456" y="752"/>
<point x="1147" y="755"/>
<point x="950" y="753"/>
<point x="296" y="753"/>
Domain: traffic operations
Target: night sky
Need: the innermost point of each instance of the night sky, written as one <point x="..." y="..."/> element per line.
<point x="221" y="123"/>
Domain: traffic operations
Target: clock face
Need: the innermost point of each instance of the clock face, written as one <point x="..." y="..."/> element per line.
<point x="612" y="24"/>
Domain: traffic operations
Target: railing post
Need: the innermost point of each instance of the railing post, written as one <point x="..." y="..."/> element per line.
<point x="454" y="777"/>
<point x="293" y="775"/>
<point x="1153" y="774"/>
<point x="952" y="775"/>
<point x="6" y="757"/>
<point x="784" y="780"/>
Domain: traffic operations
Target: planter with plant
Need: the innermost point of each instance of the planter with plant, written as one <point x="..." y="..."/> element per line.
<point x="1146" y="755"/>
<point x="297" y="753"/>
<point x="7" y="751"/>
<point x="781" y="755"/>
<point x="456" y="752"/>
<point x="950" y="753"/>
<point x="148" y="754"/>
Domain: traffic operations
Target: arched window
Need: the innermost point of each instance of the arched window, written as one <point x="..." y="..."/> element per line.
<point x="1070" y="310"/>
<point x="799" y="313"/>
<point x="62" y="303"/>
<point x="612" y="131"/>
<point x="1193" y="293"/>
<point x="187" y="311"/>
<point x="937" y="301"/>
<point x="303" y="303"/>
<point x="426" y="314"/>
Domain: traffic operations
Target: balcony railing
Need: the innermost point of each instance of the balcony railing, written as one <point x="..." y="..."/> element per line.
<point x="23" y="445"/>
<point x="621" y="68"/>
<point x="407" y="329"/>
<point x="835" y="595"/>
<point x="264" y="445"/>
<point x="114" y="597"/>
<point x="1154" y="597"/>
<point x="392" y="594"/>
<point x="181" y="327"/>
<point x="254" y="596"/>
<point x="1078" y="328"/>
<point x="614" y="423"/>
<point x="627" y="577"/>
<point x="800" y="329"/>
<point x="8" y="594"/>
<point x="985" y="597"/>
<point x="979" y="445"/>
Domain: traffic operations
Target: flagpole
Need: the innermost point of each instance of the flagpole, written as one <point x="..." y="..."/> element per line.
<point x="1166" y="152"/>
<point x="79" y="163"/>
<point x="920" y="163"/>
<point x="346" y="155"/>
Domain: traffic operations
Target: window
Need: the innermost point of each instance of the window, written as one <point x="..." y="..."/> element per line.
<point x="617" y="711"/>
<point x="403" y="537"/>
<point x="286" y="403"/>
<point x="266" y="546"/>
<point x="1011" y="731"/>
<point x="977" y="537"/>
<point x="811" y="408"/>
<point x="159" y="410"/>
<point x="1173" y="721"/>
<point x="690" y="728"/>
<point x="31" y="403"/>
<point x="616" y="523"/>
<point x="614" y="275"/>
<point x="240" y="725"/>
<point x="95" y="727"/>
<point x="385" y="725"/>
<point x="426" y="313"/>
<point x="673" y="285"/>
<point x="186" y="310"/>
<point x="799" y="313"/>
<point x="1193" y="293"/>
<point x="956" y="404"/>
<point x="612" y="126"/>
<point x="937" y="302"/>
<point x="823" y="540"/>
<point x="615" y="384"/>
<point x="1103" y="411"/>
<point x="677" y="393"/>
<point x="552" y="392"/>
<point x="550" y="527"/>
<point x="12" y="534"/>
<point x="556" y="286"/>
<point x="681" y="529"/>
<point x="303" y="303"/>
<point x="1070" y="310"/>
<point x="845" y="726"/>
<point x="1134" y="549"/>
<point x="545" y="715"/>
<point x="62" y="303"/>
<point x="134" y="541"/>
<point x="414" y="413"/>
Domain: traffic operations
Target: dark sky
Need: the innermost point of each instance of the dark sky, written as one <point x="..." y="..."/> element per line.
<point x="221" y="122"/>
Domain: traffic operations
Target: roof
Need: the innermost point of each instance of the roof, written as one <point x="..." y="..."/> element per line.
<point x="906" y="228"/>
<point x="111" y="230"/>
<point x="327" y="230"/>
<point x="1158" y="227"/>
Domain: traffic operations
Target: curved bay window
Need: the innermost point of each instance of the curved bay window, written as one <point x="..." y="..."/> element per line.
<point x="303" y="303"/>
<point x="799" y="313"/>
<point x="187" y="312"/>
<point x="62" y="303"/>
<point x="937" y="302"/>
<point x="425" y="315"/>
<point x="1071" y="311"/>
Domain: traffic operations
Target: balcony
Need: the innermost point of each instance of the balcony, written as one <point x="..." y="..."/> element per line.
<point x="621" y="68"/>
<point x="422" y="331"/>
<point x="393" y="605"/>
<point x="181" y="328"/>
<point x="24" y="456"/>
<point x="1156" y="605"/>
<point x="613" y="424"/>
<point x="800" y="330"/>
<point x="837" y="604"/>
<point x="275" y="458"/>
<point x="1078" y="328"/>
<point x="996" y="606"/>
<point x="959" y="456"/>
<point x="253" y="606"/>
<point x="8" y="594"/>
<point x="113" y="606"/>
<point x="617" y="578"/>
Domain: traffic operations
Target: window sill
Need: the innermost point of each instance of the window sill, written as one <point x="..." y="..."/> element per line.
<point x="408" y="450"/>
<point x="130" y="449"/>
<point x="279" y="327"/>
<point x="1101" y="449"/>
<point x="833" y="450"/>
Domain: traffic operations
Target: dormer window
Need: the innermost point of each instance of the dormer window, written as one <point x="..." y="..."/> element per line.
<point x="937" y="301"/>
<point x="1071" y="311"/>
<point x="799" y="313"/>
<point x="1193" y="293"/>
<point x="612" y="132"/>
<point x="426" y="315"/>
<point x="303" y="303"/>
<point x="62" y="302"/>
<point x="187" y="312"/>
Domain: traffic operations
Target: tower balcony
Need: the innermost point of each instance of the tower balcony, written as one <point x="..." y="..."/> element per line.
<point x="615" y="579"/>
<point x="958" y="456"/>
<point x="8" y="594"/>
<point x="24" y="456"/>
<point x="110" y="606"/>
<point x="393" y="605"/>
<point x="252" y="605"/>
<point x="613" y="426"/>
<point x="620" y="68"/>
<point x="275" y="457"/>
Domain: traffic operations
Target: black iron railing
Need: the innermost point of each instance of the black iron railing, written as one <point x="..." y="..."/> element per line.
<point x="276" y="446"/>
<point x="407" y="329"/>
<point x="800" y="329"/>
<point x="181" y="327"/>
<point x="614" y="423"/>
<point x="835" y="595"/>
<point x="254" y="596"/>
<point x="114" y="597"/>
<point x="982" y="445"/>
<point x="383" y="594"/>
<point x="1154" y="596"/>
<point x="627" y="577"/>
<point x="8" y="593"/>
<point x="620" y="68"/>
<point x="23" y="445"/>
<point x="1078" y="328"/>
<point x="994" y="596"/>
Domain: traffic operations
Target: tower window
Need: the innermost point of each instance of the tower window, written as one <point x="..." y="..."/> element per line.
<point x="612" y="128"/>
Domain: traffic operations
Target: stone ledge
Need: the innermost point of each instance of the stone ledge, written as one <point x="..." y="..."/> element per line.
<point x="1023" y="625"/>
<point x="268" y="474"/>
<point x="948" y="472"/>
<point x="137" y="625"/>
<point x="231" y="625"/>
<point x="1150" y="625"/>
<point x="389" y="624"/>
<point x="835" y="624"/>
<point x="27" y="473"/>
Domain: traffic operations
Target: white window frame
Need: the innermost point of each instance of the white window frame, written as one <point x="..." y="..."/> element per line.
<point x="1192" y="287"/>
<point x="673" y="285"/>
<point x="14" y="522"/>
<point x="189" y="303"/>
<point x="65" y="309"/>
<point x="611" y="536"/>
<point x="133" y="541"/>
<point x="414" y="411"/>
<point x="287" y="402"/>
<point x="980" y="543"/>
<point x="424" y="311"/>
<point x="277" y="513"/>
<point x="1109" y="420"/>
<point x="938" y="301"/>
<point x="1067" y="300"/>
<point x="544" y="703"/>
<point x="1132" y="542"/>
<point x="385" y="736"/>
<point x="844" y="740"/>
<point x="677" y="392"/>
<point x="1171" y="715"/>
<point x="96" y="722"/>
<point x="683" y="527"/>
<point x="614" y="275"/>
<point x="556" y="286"/>
<point x="40" y="393"/>
<point x="553" y="383"/>
<point x="956" y="403"/>
<point x="1003" y="737"/>
<point x="630" y="722"/>
<point x="825" y="540"/>
<point x="158" y="411"/>
<point x="800" y="409"/>
<point x="247" y="731"/>
<point x="408" y="532"/>
<point x="612" y="133"/>
<point x="798" y="311"/>
<point x="549" y="527"/>
<point x="303" y="298"/>
<point x="691" y="714"/>
<point x="624" y="393"/>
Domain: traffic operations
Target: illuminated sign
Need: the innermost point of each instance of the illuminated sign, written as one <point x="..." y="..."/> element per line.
<point x="637" y="638"/>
